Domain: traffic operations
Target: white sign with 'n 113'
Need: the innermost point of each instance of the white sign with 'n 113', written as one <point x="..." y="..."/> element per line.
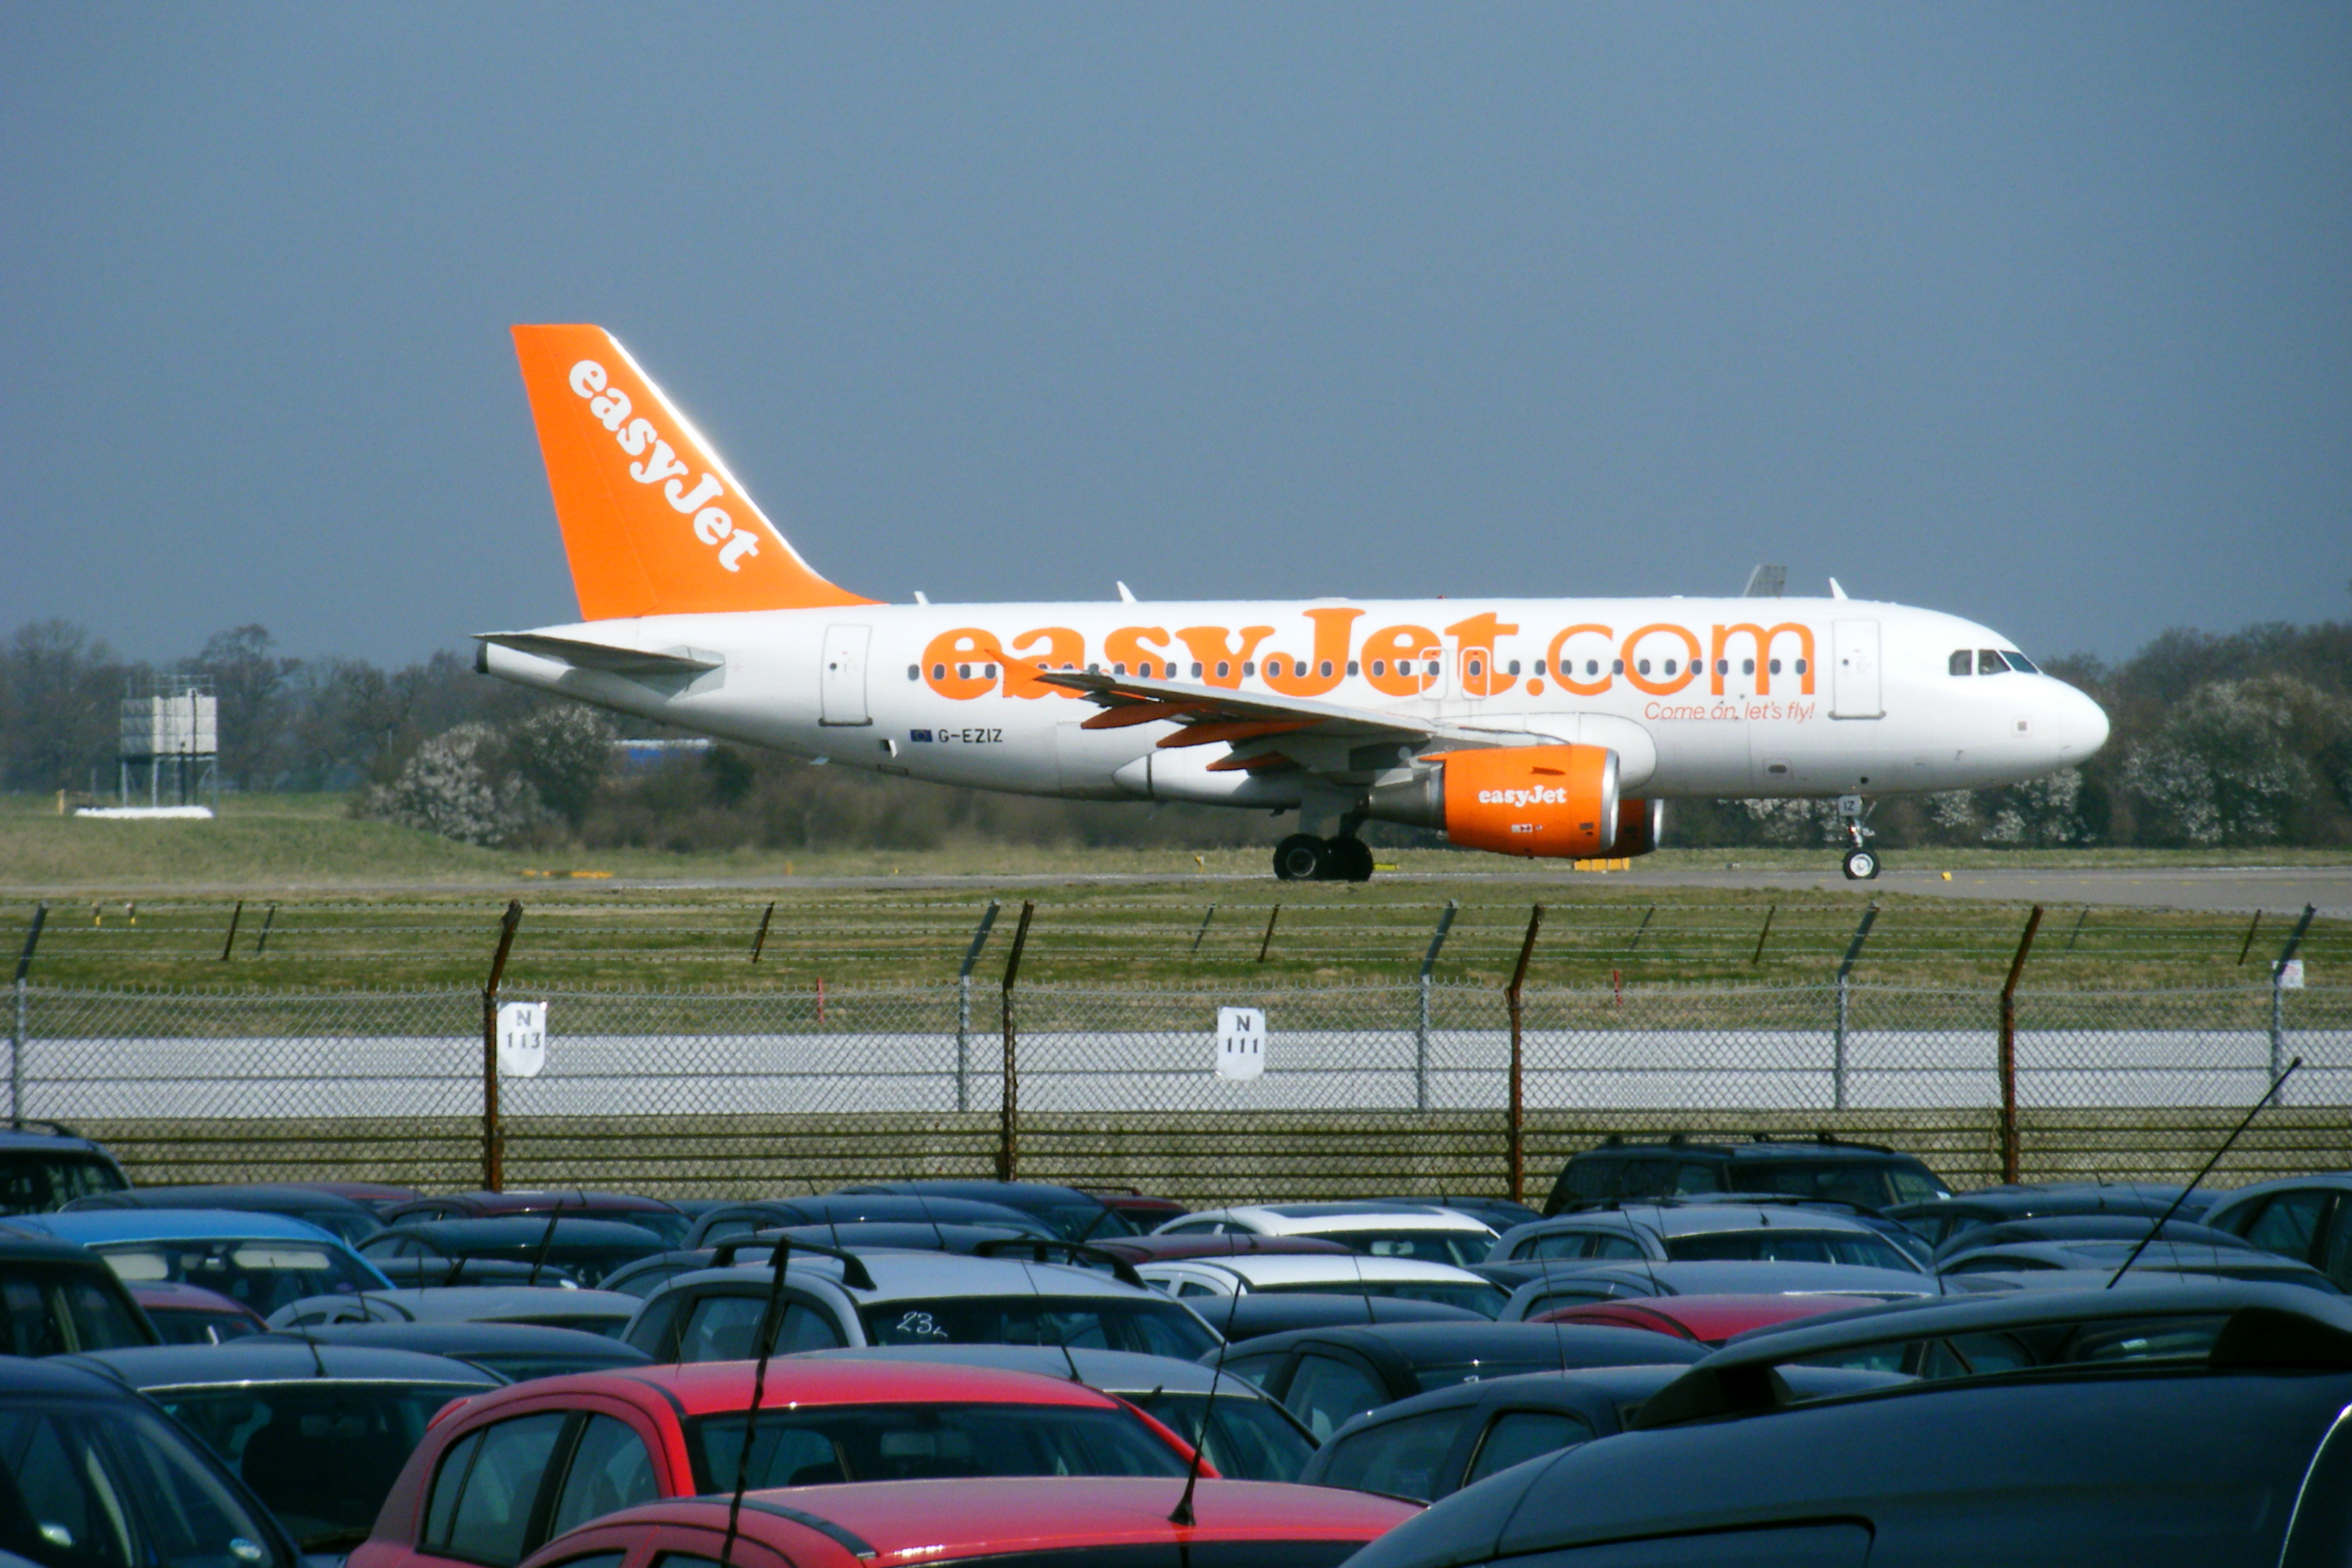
<point x="522" y="1039"/>
<point x="1240" y="1042"/>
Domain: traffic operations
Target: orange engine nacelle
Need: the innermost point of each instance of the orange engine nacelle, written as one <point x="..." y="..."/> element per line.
<point x="1639" y="823"/>
<point x="1553" y="801"/>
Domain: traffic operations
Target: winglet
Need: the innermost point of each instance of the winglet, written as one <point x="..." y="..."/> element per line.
<point x="653" y="522"/>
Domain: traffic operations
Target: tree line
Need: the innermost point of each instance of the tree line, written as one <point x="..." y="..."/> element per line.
<point x="2220" y="739"/>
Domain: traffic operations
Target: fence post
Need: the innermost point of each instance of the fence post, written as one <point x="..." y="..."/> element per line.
<point x="1518" y="1137"/>
<point x="2009" y="1162"/>
<point x="1265" y="942"/>
<point x="1008" y="1136"/>
<point x="16" y="1035"/>
<point x="494" y="1154"/>
<point x="1421" y="1033"/>
<point x="1204" y="927"/>
<point x="228" y="942"/>
<point x="760" y="940"/>
<point x="1759" y="955"/>
<point x="963" y="1006"/>
<point x="1853" y="951"/>
<point x="2278" y="1003"/>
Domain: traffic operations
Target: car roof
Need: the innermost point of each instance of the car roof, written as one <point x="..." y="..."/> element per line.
<point x="453" y="1303"/>
<point x="703" y="1388"/>
<point x="1733" y="1277"/>
<point x="543" y="1199"/>
<point x="2331" y="1181"/>
<point x="467" y="1338"/>
<point x="1693" y="1219"/>
<point x="269" y="1358"/>
<point x="22" y="1247"/>
<point x="2180" y="1257"/>
<point x="1422" y="1345"/>
<point x="2033" y="1202"/>
<point x="1157" y="1247"/>
<point x="1254" y="1315"/>
<point x="892" y="1523"/>
<point x="1296" y="1269"/>
<point x="900" y="1275"/>
<point x="1115" y="1372"/>
<point x="1709" y="1318"/>
<point x="107" y="1228"/>
<point x="1331" y="1219"/>
<point x="1762" y="1148"/>
<point x="59" y="1377"/>
<point x="234" y="1195"/>
<point x="495" y="1230"/>
<point x="57" y="1141"/>
<point x="1554" y="1390"/>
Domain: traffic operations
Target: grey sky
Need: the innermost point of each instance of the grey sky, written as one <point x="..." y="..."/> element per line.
<point x="2040" y="313"/>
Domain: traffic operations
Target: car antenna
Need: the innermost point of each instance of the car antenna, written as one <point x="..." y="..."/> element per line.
<point x="546" y="1241"/>
<point x="2270" y="1097"/>
<point x="1062" y="1340"/>
<point x="924" y="1203"/>
<point x="1181" y="1514"/>
<point x="770" y="1325"/>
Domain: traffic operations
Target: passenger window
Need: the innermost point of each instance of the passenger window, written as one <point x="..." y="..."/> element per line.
<point x="723" y="1328"/>
<point x="2338" y="1263"/>
<point x="1593" y="1178"/>
<point x="1519" y="1435"/>
<point x="1647" y="1179"/>
<point x="1990" y="662"/>
<point x="610" y="1472"/>
<point x="495" y="1497"/>
<point x="1615" y="1247"/>
<point x="1696" y="1178"/>
<point x="1558" y="1244"/>
<point x="1963" y="662"/>
<point x="1327" y="1393"/>
<point x="1194" y="1288"/>
<point x="2288" y="1224"/>
<point x="1251" y="1369"/>
<point x="446" y="1486"/>
<point x="1401" y="1458"/>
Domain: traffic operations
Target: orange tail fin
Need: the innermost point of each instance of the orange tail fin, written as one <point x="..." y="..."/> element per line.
<point x="653" y="522"/>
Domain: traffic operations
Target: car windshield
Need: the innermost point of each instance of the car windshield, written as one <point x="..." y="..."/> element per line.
<point x="196" y="1326"/>
<point x="263" y="1273"/>
<point x="55" y="1310"/>
<point x="31" y="1181"/>
<point x="1788" y="1244"/>
<point x="817" y="1445"/>
<point x="1249" y="1439"/>
<point x="1487" y="1301"/>
<point x="111" y="1484"/>
<point x="322" y="1455"/>
<point x="1082" y="1323"/>
<point x="1459" y="1247"/>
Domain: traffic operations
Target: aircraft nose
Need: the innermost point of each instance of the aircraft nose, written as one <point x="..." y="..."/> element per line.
<point x="2081" y="724"/>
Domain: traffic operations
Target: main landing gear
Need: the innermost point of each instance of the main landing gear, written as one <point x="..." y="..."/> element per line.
<point x="1303" y="858"/>
<point x="1860" y="862"/>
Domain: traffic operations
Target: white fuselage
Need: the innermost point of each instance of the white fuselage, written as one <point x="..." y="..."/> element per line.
<point x="1704" y="697"/>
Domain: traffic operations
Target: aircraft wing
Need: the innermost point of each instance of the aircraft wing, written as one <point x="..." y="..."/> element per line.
<point x="587" y="655"/>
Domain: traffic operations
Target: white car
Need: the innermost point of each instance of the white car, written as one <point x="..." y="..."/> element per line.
<point x="1423" y="1231"/>
<point x="1325" y="1274"/>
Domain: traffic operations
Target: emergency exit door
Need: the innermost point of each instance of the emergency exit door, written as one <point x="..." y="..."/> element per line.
<point x="1853" y="670"/>
<point x="841" y="684"/>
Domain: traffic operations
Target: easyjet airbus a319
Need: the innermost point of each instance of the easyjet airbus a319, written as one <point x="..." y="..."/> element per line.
<point x="1526" y="726"/>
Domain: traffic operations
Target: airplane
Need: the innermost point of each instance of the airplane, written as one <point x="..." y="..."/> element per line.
<point x="1535" y="727"/>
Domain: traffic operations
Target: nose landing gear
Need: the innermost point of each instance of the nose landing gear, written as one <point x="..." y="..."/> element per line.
<point x="1303" y="858"/>
<point x="1860" y="862"/>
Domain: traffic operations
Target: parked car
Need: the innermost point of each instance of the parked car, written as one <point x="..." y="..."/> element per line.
<point x="1821" y="1167"/>
<point x="1069" y="1212"/>
<point x="725" y="1221"/>
<point x="59" y="1298"/>
<point x="2087" y="1227"/>
<point x="1059" y="1522"/>
<point x="379" y="1196"/>
<point x="191" y="1315"/>
<point x="1424" y="1231"/>
<point x="651" y="1214"/>
<point x="2306" y="1218"/>
<point x="45" y="1165"/>
<point x="1702" y="1233"/>
<point x="513" y="1352"/>
<point x="1348" y="1275"/>
<point x="1702" y="1319"/>
<point x="1140" y="1209"/>
<point x="263" y="1260"/>
<point x="2195" y="1426"/>
<point x="1940" y="1220"/>
<point x="1327" y="1378"/>
<point x="443" y="1251"/>
<point x="1255" y="1314"/>
<point x="2028" y="1259"/>
<point x="98" y="1478"/>
<point x="603" y="1312"/>
<point x="1156" y="1247"/>
<point x="909" y="1298"/>
<point x="495" y="1479"/>
<point x="1497" y="1214"/>
<point x="317" y="1432"/>
<point x="339" y="1217"/>
<point x="1544" y="1288"/>
<point x="1250" y="1437"/>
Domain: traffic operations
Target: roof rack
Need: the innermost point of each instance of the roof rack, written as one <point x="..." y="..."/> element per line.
<point x="38" y="1124"/>
<point x="1077" y="1252"/>
<point x="853" y="1269"/>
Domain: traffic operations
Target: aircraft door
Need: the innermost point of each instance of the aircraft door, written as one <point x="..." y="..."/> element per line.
<point x="841" y="684"/>
<point x="1853" y="670"/>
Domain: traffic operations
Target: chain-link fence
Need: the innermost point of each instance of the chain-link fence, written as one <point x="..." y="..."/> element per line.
<point x="1373" y="1087"/>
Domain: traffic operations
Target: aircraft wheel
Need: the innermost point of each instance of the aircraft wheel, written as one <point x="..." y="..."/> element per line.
<point x="1350" y="860"/>
<point x="1301" y="857"/>
<point x="1861" y="865"/>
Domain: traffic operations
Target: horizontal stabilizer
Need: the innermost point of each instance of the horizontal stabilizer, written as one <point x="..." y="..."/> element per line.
<point x="604" y="655"/>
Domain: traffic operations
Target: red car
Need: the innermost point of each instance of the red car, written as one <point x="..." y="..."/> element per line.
<point x="499" y="1474"/>
<point x="1043" y="1521"/>
<point x="191" y="1315"/>
<point x="1703" y="1319"/>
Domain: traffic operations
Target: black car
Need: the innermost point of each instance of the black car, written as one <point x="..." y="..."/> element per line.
<point x="1543" y="1287"/>
<point x="1940" y="1220"/>
<point x="436" y="1252"/>
<point x="718" y="1224"/>
<point x="91" y="1476"/>
<point x="1327" y="1378"/>
<point x="318" y="1432"/>
<point x="2307" y="1218"/>
<point x="515" y="1351"/>
<point x="2087" y="1227"/>
<point x="59" y="1297"/>
<point x="1254" y="1315"/>
<point x="351" y="1221"/>
<point x="2197" y="1427"/>
<point x="45" y="1165"/>
<point x="2023" y="1262"/>
<point x="1869" y="1174"/>
<point x="1070" y="1214"/>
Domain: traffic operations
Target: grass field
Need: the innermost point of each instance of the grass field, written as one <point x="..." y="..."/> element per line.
<point x="367" y="906"/>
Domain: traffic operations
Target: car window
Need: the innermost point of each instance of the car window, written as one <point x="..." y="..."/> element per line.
<point x="1253" y="1369"/>
<point x="1911" y="1186"/>
<point x="1693" y="1177"/>
<point x="1646" y="1178"/>
<point x="1401" y="1458"/>
<point x="106" y="1484"/>
<point x="1863" y="1248"/>
<point x="491" y="1510"/>
<point x="1557" y="1244"/>
<point x="1606" y="1246"/>
<point x="824" y="1445"/>
<point x="1840" y="1181"/>
<point x="1517" y="1436"/>
<point x="610" y="1472"/>
<point x="1149" y="1325"/>
<point x="1591" y="1178"/>
<point x="1250" y="1438"/>
<point x="264" y="1275"/>
<point x="723" y="1328"/>
<point x="593" y="1560"/>
<point x="1326" y="1393"/>
<point x="52" y="1312"/>
<point x="2289" y="1223"/>
<point x="33" y="1184"/>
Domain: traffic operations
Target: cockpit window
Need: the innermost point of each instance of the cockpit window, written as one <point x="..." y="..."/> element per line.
<point x="1990" y="662"/>
<point x="2018" y="662"/>
<point x="1964" y="661"/>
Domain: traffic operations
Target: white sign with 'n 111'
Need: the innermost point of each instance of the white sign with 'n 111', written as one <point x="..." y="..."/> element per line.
<point x="522" y="1039"/>
<point x="1240" y="1042"/>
